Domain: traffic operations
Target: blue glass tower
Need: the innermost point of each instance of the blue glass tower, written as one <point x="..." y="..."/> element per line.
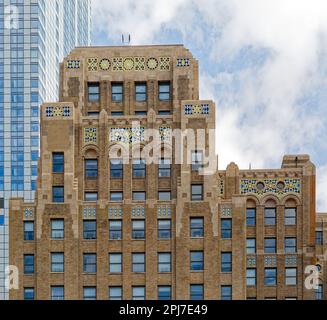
<point x="35" y="35"/>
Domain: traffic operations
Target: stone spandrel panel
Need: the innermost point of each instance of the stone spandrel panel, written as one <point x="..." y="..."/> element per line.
<point x="57" y="111"/>
<point x="279" y="187"/>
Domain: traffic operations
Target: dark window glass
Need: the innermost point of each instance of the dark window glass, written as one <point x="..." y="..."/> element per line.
<point x="93" y="92"/>
<point x="140" y="92"/>
<point x="117" y="92"/>
<point x="291" y="276"/>
<point x="164" y="112"/>
<point x="319" y="238"/>
<point x="28" y="264"/>
<point x="164" y="91"/>
<point x="164" y="229"/>
<point x="141" y="113"/>
<point x="251" y="246"/>
<point x="90" y="229"/>
<point x="117" y="113"/>
<point x="226" y="292"/>
<point x="58" y="162"/>
<point x="91" y="168"/>
<point x="270" y="276"/>
<point x="139" y="169"/>
<point x="28" y="230"/>
<point x="89" y="263"/>
<point x="270" y="216"/>
<point x="58" y="194"/>
<point x="115" y="229"/>
<point x="164" y="195"/>
<point x="197" y="192"/>
<point x="139" y="196"/>
<point x="197" y="160"/>
<point x="164" y="292"/>
<point x="196" y="261"/>
<point x="226" y="228"/>
<point x="116" y="169"/>
<point x="251" y="277"/>
<point x="91" y="196"/>
<point x="250" y="217"/>
<point x="196" y="292"/>
<point x="270" y="245"/>
<point x="116" y="196"/>
<point x="196" y="227"/>
<point x="226" y="262"/>
<point x="115" y="293"/>
<point x="290" y="216"/>
<point x="138" y="229"/>
<point x="320" y="292"/>
<point x="29" y="294"/>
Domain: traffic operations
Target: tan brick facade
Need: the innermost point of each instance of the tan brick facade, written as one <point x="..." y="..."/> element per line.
<point x="83" y="130"/>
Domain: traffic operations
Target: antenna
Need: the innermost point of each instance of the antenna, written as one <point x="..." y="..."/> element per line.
<point x="126" y="39"/>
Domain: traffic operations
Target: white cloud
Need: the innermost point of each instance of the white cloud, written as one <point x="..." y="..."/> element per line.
<point x="259" y="115"/>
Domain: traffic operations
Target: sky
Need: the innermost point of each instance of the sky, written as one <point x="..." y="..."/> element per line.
<point x="263" y="62"/>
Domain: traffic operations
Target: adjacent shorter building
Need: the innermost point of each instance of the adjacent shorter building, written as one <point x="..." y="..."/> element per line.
<point x="108" y="225"/>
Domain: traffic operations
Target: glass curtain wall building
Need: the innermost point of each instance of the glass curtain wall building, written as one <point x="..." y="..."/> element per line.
<point x="35" y="35"/>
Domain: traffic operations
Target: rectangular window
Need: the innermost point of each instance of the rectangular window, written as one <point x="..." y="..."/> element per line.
<point x="116" y="169"/>
<point x="291" y="276"/>
<point x="140" y="91"/>
<point x="164" y="195"/>
<point x="138" y="293"/>
<point x="139" y="169"/>
<point x="57" y="229"/>
<point x="196" y="292"/>
<point x="139" y="196"/>
<point x="58" y="162"/>
<point x="91" y="196"/>
<point x="320" y="292"/>
<point x="226" y="262"/>
<point x="164" y="292"/>
<point x="29" y="294"/>
<point x="117" y="113"/>
<point x="197" y="160"/>
<point x="57" y="262"/>
<point x="93" y="92"/>
<point x="164" y="229"/>
<point x="91" y="168"/>
<point x="196" y="227"/>
<point x="270" y="245"/>
<point x="164" y="262"/>
<point x="270" y="276"/>
<point x="226" y="293"/>
<point x="116" y="196"/>
<point x="57" y="293"/>
<point x="164" y="91"/>
<point x="197" y="192"/>
<point x="58" y="194"/>
<point x="290" y="216"/>
<point x="250" y="217"/>
<point x="90" y="293"/>
<point x="117" y="92"/>
<point x="89" y="263"/>
<point x="28" y="263"/>
<point x="319" y="238"/>
<point x="28" y="230"/>
<point x="138" y="262"/>
<point x="141" y="113"/>
<point x="251" y="246"/>
<point x="164" y="112"/>
<point x="270" y="216"/>
<point x="290" y="245"/>
<point x="164" y="168"/>
<point x="115" y="293"/>
<point x="115" y="229"/>
<point x="226" y="228"/>
<point x="115" y="263"/>
<point x="89" y="229"/>
<point x="251" y="277"/>
<point x="196" y="261"/>
<point x="138" y="229"/>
